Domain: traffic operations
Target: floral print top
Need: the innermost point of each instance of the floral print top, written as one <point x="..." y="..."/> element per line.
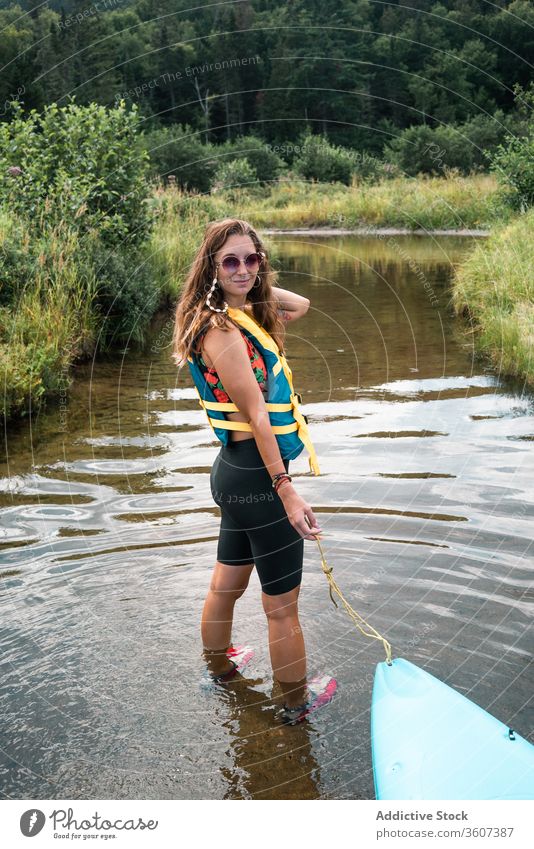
<point x="258" y="366"/>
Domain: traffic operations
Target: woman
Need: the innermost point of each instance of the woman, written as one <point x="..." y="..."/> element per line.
<point x="230" y="329"/>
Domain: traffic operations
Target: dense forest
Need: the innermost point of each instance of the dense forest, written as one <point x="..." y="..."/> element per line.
<point x="358" y="71"/>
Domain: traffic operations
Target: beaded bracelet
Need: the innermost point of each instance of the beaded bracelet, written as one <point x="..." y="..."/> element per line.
<point x="277" y="477"/>
<point x="280" y="481"/>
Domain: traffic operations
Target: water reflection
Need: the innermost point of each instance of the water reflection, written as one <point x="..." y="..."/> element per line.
<point x="108" y="539"/>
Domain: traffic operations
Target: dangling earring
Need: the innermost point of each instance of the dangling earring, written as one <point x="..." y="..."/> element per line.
<point x="257" y="282"/>
<point x="210" y="293"/>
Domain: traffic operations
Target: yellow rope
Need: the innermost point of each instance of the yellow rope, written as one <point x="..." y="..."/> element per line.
<point x="352" y="613"/>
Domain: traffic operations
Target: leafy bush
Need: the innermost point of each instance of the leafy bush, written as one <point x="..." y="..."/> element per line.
<point x="288" y="150"/>
<point x="75" y="163"/>
<point x="178" y="152"/>
<point x="420" y="149"/>
<point x="235" y="174"/>
<point x="485" y="134"/>
<point x="513" y="161"/>
<point x="320" y="160"/>
<point x="259" y="155"/>
<point x="433" y="150"/>
<point x="513" y="164"/>
<point x="126" y="297"/>
<point x="371" y="169"/>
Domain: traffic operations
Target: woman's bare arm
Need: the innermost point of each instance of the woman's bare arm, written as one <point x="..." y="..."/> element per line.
<point x="290" y="305"/>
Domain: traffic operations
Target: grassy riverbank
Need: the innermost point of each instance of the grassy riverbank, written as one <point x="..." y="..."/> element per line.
<point x="54" y="322"/>
<point x="423" y="203"/>
<point x="71" y="291"/>
<point x="416" y="203"/>
<point x="494" y="288"/>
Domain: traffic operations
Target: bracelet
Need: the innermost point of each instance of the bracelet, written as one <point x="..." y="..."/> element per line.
<point x="278" y="476"/>
<point x="281" y="481"/>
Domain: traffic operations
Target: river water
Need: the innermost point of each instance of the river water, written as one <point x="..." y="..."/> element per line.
<point x="109" y="532"/>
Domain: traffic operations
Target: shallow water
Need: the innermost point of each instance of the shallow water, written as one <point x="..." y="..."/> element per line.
<point x="109" y="532"/>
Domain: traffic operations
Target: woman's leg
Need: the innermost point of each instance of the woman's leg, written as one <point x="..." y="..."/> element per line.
<point x="228" y="583"/>
<point x="286" y="645"/>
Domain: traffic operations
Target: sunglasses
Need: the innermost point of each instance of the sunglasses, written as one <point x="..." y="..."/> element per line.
<point x="231" y="263"/>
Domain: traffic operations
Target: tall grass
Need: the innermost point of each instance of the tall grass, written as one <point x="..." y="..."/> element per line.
<point x="428" y="203"/>
<point x="181" y="219"/>
<point x="51" y="321"/>
<point x="494" y="287"/>
<point x="176" y="236"/>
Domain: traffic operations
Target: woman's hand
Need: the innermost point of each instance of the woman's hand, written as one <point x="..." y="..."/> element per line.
<point x="298" y="512"/>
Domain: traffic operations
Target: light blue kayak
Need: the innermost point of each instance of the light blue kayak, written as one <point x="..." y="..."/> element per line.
<point x="430" y="742"/>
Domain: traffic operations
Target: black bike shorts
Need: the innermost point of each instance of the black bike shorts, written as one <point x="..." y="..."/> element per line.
<point x="254" y="524"/>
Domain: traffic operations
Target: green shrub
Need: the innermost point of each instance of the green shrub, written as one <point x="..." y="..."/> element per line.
<point x="266" y="164"/>
<point x="320" y="160"/>
<point x="287" y="150"/>
<point x="82" y="164"/>
<point x="178" y="152"/>
<point x="422" y="149"/>
<point x="513" y="160"/>
<point x="126" y="297"/>
<point x="485" y="134"/>
<point x="513" y="164"/>
<point x="234" y="174"/>
<point x="371" y="169"/>
<point x="434" y="150"/>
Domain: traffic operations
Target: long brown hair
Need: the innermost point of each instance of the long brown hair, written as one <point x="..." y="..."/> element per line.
<point x="192" y="312"/>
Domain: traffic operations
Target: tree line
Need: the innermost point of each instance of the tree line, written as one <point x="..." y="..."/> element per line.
<point x="358" y="72"/>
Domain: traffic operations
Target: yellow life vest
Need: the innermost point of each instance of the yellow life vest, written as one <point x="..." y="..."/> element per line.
<point x="288" y="423"/>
